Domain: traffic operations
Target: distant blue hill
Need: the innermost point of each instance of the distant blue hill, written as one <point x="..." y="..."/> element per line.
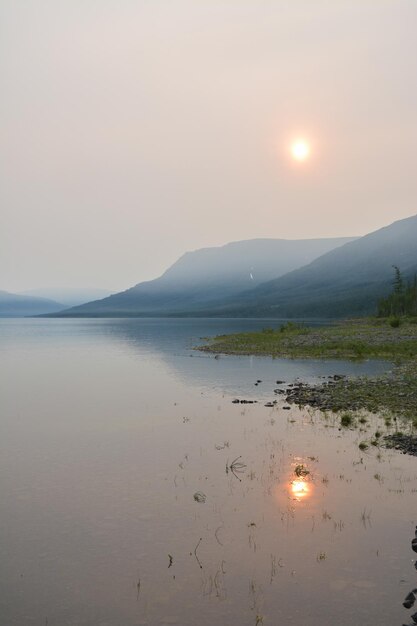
<point x="202" y="279"/>
<point x="14" y="305"/>
<point x="68" y="296"/>
<point x="348" y="280"/>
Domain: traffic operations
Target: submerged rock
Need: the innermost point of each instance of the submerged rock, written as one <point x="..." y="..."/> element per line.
<point x="409" y="600"/>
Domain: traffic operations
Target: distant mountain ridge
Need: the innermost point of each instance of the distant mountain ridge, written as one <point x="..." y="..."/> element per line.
<point x="14" y="305"/>
<point x="273" y="278"/>
<point x="348" y="280"/>
<point x="68" y="296"/>
<point x="205" y="277"/>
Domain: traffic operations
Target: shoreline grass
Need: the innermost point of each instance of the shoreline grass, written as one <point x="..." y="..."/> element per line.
<point x="394" y="392"/>
<point x="351" y="339"/>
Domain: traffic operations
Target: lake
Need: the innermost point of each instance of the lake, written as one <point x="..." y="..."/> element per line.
<point x="134" y="491"/>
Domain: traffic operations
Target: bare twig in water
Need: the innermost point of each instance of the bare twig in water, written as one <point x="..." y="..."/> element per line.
<point x="171" y="560"/>
<point x="273" y="568"/>
<point x="252" y="540"/>
<point x="366" y="518"/>
<point x="195" y="552"/>
<point x="236" y="467"/>
<point x="219" y="585"/>
<point x="138" y="589"/>
<point x="252" y="593"/>
<point x="215" y="534"/>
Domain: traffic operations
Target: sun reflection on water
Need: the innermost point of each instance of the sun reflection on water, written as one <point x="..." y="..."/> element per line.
<point x="301" y="483"/>
<point x="300" y="489"/>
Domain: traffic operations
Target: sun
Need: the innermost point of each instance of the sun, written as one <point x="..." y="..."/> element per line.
<point x="300" y="150"/>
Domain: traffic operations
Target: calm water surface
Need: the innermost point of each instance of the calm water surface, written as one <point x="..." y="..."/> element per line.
<point x="109" y="428"/>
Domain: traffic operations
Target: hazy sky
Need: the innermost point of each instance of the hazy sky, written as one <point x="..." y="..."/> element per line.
<point x="133" y="130"/>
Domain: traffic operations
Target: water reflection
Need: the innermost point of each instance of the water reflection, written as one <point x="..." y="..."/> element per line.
<point x="106" y="436"/>
<point x="300" y="489"/>
<point x="168" y="344"/>
<point x="171" y="343"/>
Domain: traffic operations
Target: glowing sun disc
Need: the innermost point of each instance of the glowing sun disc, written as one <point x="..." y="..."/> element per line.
<point x="300" y="150"/>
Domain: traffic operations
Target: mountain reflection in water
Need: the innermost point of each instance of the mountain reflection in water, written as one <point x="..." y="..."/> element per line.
<point x="117" y="506"/>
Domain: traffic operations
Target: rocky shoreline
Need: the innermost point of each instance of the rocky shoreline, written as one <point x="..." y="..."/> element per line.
<point x="407" y="444"/>
<point x="393" y="395"/>
<point x="396" y="392"/>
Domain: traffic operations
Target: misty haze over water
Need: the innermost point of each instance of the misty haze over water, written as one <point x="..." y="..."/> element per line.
<point x="119" y="507"/>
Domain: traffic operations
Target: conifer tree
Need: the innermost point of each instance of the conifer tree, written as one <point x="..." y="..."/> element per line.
<point x="403" y="298"/>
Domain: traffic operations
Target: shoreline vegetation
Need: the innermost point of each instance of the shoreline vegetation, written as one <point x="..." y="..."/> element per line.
<point x="392" y="395"/>
<point x="366" y="338"/>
